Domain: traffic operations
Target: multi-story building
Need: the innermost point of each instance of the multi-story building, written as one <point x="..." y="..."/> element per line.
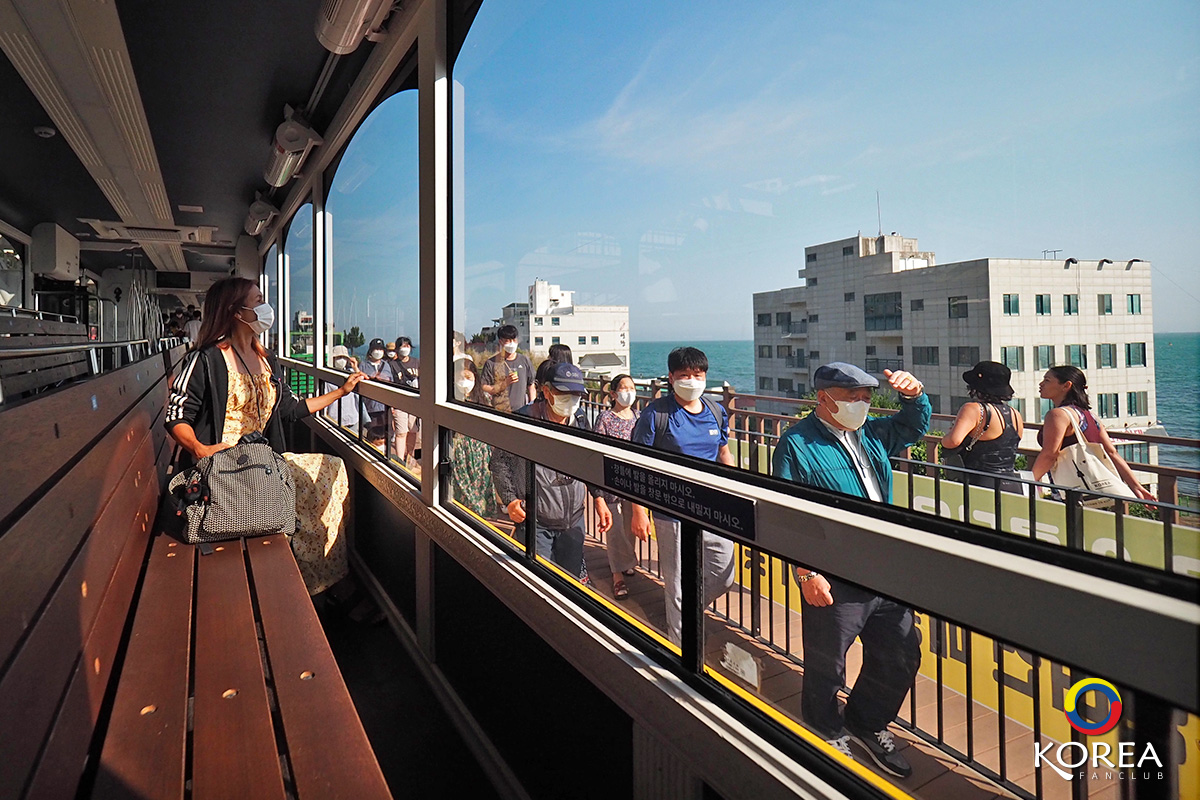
<point x="597" y="335"/>
<point x="883" y="304"/>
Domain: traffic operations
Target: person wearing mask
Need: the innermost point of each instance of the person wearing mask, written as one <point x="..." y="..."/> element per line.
<point x="229" y="386"/>
<point x="405" y="427"/>
<point x="618" y="421"/>
<point x="987" y="432"/>
<point x="508" y="376"/>
<point x="344" y="411"/>
<point x="1066" y="388"/>
<point x="687" y="422"/>
<point x="560" y="352"/>
<point x="560" y="498"/>
<point x="840" y="448"/>
<point x="470" y="470"/>
<point x="377" y="368"/>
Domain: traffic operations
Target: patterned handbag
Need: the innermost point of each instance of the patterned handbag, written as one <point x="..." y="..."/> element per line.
<point x="246" y="490"/>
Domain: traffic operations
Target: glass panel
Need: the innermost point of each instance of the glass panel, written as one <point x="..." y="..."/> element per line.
<point x="12" y="274"/>
<point x="271" y="295"/>
<point x="298" y="263"/>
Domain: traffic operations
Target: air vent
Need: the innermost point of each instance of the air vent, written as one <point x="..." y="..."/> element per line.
<point x="154" y="234"/>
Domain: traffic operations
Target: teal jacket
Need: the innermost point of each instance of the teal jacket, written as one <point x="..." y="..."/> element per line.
<point x="808" y="453"/>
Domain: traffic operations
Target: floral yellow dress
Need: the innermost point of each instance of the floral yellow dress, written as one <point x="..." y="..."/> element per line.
<point x="322" y="487"/>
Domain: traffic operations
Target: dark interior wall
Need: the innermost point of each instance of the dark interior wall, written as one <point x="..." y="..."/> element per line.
<point x="561" y="736"/>
<point x="387" y="541"/>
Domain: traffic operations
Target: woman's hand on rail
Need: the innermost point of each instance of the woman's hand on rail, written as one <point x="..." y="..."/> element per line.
<point x="351" y="382"/>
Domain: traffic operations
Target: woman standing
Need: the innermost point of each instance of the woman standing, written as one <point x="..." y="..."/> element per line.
<point x="1066" y="387"/>
<point x="618" y="422"/>
<point x="229" y="386"/>
<point x="470" y="474"/>
<point x="987" y="432"/>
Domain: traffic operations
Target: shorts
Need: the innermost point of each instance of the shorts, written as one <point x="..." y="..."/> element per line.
<point x="404" y="423"/>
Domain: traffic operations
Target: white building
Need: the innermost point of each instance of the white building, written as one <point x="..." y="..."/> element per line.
<point x="881" y="303"/>
<point x="597" y="335"/>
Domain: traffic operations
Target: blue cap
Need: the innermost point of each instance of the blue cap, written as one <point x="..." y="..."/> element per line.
<point x="567" y="378"/>
<point x="840" y="375"/>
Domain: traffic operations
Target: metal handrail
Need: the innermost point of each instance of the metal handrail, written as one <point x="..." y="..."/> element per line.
<point x="16" y="311"/>
<point x="25" y="352"/>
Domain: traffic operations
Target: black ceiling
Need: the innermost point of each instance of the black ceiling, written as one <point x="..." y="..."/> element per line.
<point x="214" y="77"/>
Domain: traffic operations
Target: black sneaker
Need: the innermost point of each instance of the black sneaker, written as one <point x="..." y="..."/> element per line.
<point x="882" y="747"/>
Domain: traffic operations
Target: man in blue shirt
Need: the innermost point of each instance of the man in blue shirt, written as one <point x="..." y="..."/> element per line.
<point x="695" y="425"/>
<point x="838" y="447"/>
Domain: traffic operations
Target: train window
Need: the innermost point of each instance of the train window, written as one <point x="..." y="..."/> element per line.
<point x="271" y="294"/>
<point x="371" y="213"/>
<point x="12" y="274"/>
<point x="298" y="269"/>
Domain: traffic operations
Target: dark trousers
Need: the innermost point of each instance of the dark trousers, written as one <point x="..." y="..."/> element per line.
<point x="564" y="548"/>
<point x="891" y="657"/>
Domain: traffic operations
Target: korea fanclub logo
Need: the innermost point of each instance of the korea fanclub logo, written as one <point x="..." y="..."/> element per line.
<point x="1070" y="757"/>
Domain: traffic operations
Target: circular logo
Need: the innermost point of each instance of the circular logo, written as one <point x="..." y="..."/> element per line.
<point x="1072" y="706"/>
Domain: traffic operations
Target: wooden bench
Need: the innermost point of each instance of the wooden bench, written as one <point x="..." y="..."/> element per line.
<point x="130" y="666"/>
<point x="25" y="375"/>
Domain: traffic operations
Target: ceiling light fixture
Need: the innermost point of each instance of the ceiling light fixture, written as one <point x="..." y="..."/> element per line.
<point x="293" y="140"/>
<point x="44" y="132"/>
<point x="260" y="214"/>
<point x="343" y="24"/>
<point x="191" y="209"/>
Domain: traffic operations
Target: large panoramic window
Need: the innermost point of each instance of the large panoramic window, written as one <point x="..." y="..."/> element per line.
<point x="12" y="274"/>
<point x="271" y="293"/>
<point x="297" y="325"/>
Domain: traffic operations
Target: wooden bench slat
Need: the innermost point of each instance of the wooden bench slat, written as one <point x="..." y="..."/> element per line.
<point x="30" y="560"/>
<point x="16" y="384"/>
<point x="32" y="325"/>
<point x="233" y="752"/>
<point x="38" y="340"/>
<point x="330" y="754"/>
<point x="78" y="413"/>
<point x="63" y="759"/>
<point x="37" y="677"/>
<point x="144" y="754"/>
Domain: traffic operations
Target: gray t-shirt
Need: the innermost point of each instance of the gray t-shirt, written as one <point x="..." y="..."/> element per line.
<point x="497" y="369"/>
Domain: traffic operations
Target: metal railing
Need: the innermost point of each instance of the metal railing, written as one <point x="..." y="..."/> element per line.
<point x="14" y="311"/>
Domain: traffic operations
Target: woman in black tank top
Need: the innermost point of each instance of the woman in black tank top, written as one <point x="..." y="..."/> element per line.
<point x="987" y="432"/>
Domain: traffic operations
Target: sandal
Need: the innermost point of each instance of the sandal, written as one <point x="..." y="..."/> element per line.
<point x="620" y="590"/>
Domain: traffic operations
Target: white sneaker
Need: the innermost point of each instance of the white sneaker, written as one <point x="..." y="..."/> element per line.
<point x="842" y="745"/>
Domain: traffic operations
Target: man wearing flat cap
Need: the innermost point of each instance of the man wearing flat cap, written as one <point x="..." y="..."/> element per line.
<point x="838" y="447"/>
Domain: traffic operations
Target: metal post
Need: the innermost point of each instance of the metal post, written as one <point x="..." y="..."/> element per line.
<point x="755" y="594"/>
<point x="530" y="510"/>
<point x="691" y="564"/>
<point x="1152" y="725"/>
<point x="1074" y="520"/>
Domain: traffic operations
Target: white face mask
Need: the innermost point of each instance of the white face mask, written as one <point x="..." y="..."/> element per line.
<point x="625" y="398"/>
<point x="404" y="351"/>
<point x="266" y="317"/>
<point x="391" y="353"/>
<point x="463" y="388"/>
<point x="689" y="389"/>
<point x="375" y="355"/>
<point x="510" y="347"/>
<point x="851" y="414"/>
<point x="565" y="405"/>
<point x="341" y="363"/>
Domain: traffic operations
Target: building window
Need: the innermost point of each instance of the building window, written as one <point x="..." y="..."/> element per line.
<point x="764" y="351"/>
<point x="1137" y="404"/>
<point x="848" y="297"/>
<point x="1106" y="355"/>
<point x="1013" y="358"/>
<point x="764" y="384"/>
<point x="1070" y="304"/>
<point x="555" y="321"/>
<point x="1104" y="304"/>
<point x="1135" y="354"/>
<point x="814" y="356"/>
<point x="1135" y="453"/>
<point x="899" y="349"/>
<point x="925" y="356"/>
<point x="763" y="321"/>
<point x="582" y="340"/>
<point x="1044" y="407"/>
<point x="964" y="357"/>
<point x="957" y="402"/>
<point x="881" y="312"/>
<point x="958" y="307"/>
<point x="1133" y="303"/>
<point x="1106" y="404"/>
<point x="1019" y="404"/>
<point x="783" y="351"/>
<point x="810" y="281"/>
<point x="785" y="385"/>
<point x="1043" y="356"/>
<point x="537" y="341"/>
<point x="595" y="340"/>
<point x="814" y="318"/>
<point x="935" y="401"/>
<point x="555" y="340"/>
<point x="848" y="250"/>
<point x="916" y="305"/>
<point x="1041" y="304"/>
<point x="1012" y="305"/>
<point x="810" y="258"/>
<point x="783" y="318"/>
<point x="851" y="336"/>
<point x="870" y="349"/>
<point x="1077" y="355"/>
<point x="539" y="320"/>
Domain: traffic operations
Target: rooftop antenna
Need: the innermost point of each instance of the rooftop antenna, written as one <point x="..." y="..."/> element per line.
<point x="878" y="212"/>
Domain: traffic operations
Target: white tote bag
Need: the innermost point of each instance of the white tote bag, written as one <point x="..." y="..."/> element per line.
<point x="1086" y="466"/>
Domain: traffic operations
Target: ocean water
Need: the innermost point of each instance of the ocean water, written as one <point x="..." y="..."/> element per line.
<point x="727" y="361"/>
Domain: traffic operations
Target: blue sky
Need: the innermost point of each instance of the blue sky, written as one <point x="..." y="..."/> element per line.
<point x="677" y="157"/>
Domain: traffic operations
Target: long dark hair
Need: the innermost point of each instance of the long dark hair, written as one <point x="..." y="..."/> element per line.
<point x="1077" y="394"/>
<point x="224" y="300"/>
